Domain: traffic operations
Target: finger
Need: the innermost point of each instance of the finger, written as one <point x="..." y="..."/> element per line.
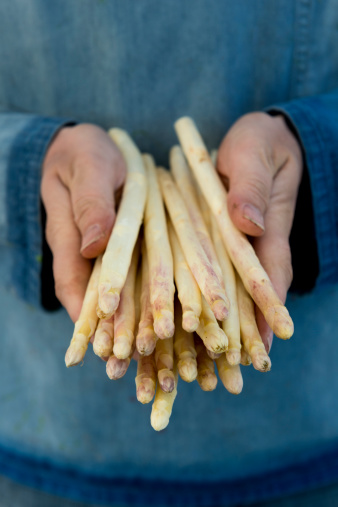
<point x="71" y="270"/>
<point x="94" y="180"/>
<point x="273" y="247"/>
<point x="247" y="165"/>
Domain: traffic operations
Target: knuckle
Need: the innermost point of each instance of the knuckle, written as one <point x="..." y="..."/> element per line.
<point x="88" y="207"/>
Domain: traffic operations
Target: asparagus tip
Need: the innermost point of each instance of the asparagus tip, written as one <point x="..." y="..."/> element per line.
<point x="220" y="309"/>
<point x="145" y="391"/>
<point x="116" y="368"/>
<point x="190" y="321"/>
<point x="74" y="355"/>
<point x="159" y="419"/>
<point x="166" y="380"/>
<point x="233" y="356"/>
<point x="187" y="369"/>
<point x="164" y="327"/>
<point x="281" y="322"/>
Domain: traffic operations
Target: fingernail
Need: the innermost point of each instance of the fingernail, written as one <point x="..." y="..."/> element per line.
<point x="253" y="214"/>
<point x="92" y="234"/>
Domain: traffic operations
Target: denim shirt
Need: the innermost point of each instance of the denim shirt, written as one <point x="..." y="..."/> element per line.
<point x="140" y="66"/>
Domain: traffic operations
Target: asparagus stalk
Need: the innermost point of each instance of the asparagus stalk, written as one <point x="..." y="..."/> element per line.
<point x="164" y="359"/>
<point x="117" y="258"/>
<point x="184" y="349"/>
<point x="230" y="376"/>
<point x="230" y="326"/>
<point x="146" y="378"/>
<point x="124" y="318"/>
<point x="146" y="337"/>
<point x="188" y="291"/>
<point x="251" y="338"/>
<point x="86" y="324"/>
<point x="206" y="376"/>
<point x="162" y="406"/>
<point x="161" y="269"/>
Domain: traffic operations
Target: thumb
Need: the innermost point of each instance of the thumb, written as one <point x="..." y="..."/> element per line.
<point x="250" y="179"/>
<point x="92" y="194"/>
<point x="249" y="158"/>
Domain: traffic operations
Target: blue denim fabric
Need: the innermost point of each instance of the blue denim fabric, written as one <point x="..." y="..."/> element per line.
<point x="316" y="122"/>
<point x="139" y="66"/>
<point x="23" y="211"/>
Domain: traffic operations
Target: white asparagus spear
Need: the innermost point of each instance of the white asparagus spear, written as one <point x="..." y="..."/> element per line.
<point x="124" y="318"/>
<point x="206" y="376"/>
<point x="194" y="254"/>
<point x="230" y="376"/>
<point x="86" y="324"/>
<point x="184" y="348"/>
<point x="245" y="358"/>
<point x="116" y="260"/>
<point x="164" y="359"/>
<point x="146" y="337"/>
<point x="161" y="268"/>
<point x="231" y="325"/>
<point x="163" y="405"/>
<point x="146" y="378"/>
<point x="209" y="331"/>
<point x="242" y="254"/>
<point x="117" y="368"/>
<point x="188" y="291"/>
<point x="185" y="184"/>
<point x="104" y="337"/>
<point x="251" y="338"/>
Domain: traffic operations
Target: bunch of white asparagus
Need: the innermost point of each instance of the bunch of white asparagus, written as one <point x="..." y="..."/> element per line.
<point x="188" y="240"/>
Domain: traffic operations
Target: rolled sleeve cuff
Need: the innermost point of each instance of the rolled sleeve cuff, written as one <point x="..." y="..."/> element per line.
<point x="311" y="122"/>
<point x="23" y="204"/>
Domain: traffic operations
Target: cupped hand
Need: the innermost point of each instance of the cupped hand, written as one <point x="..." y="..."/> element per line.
<point x="81" y="172"/>
<point x="260" y="162"/>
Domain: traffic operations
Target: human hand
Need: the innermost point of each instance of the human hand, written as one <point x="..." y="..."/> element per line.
<point x="81" y="171"/>
<point x="260" y="162"/>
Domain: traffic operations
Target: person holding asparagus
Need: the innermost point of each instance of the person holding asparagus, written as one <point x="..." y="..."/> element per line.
<point x="268" y="94"/>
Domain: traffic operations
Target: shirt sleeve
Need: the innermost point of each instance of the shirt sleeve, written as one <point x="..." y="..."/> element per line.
<point x="315" y="122"/>
<point x="24" y="140"/>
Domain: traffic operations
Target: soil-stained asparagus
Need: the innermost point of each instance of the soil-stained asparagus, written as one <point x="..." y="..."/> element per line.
<point x="206" y="376"/>
<point x="231" y="325"/>
<point x="86" y="324"/>
<point x="162" y="406"/>
<point x="241" y="252"/>
<point x="194" y="254"/>
<point x="188" y="291"/>
<point x="116" y="260"/>
<point x="230" y="376"/>
<point x="146" y="337"/>
<point x="245" y="358"/>
<point x="251" y="338"/>
<point x="184" y="349"/>
<point x="161" y="269"/>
